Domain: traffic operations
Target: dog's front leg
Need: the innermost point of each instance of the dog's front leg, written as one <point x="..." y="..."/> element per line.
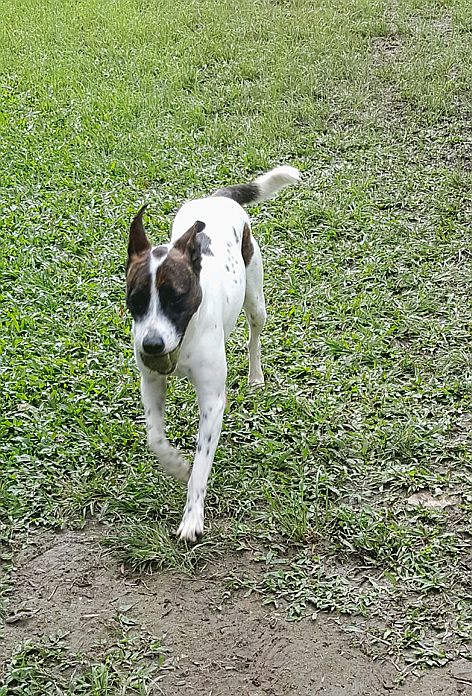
<point x="211" y="402"/>
<point x="153" y="394"/>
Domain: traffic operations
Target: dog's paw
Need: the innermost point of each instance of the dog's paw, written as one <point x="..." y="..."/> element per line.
<point x="181" y="472"/>
<point x="191" y="527"/>
<point x="256" y="381"/>
<point x="170" y="460"/>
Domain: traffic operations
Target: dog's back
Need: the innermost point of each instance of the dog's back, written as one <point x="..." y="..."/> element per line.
<point x="223" y="273"/>
<point x="226" y="243"/>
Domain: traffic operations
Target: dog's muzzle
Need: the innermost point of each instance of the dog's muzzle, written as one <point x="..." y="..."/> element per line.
<point x="163" y="364"/>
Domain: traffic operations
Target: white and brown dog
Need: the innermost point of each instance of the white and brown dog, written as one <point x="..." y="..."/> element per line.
<point x="185" y="298"/>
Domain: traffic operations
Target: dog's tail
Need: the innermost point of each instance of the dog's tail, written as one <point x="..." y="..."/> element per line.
<point x="261" y="188"/>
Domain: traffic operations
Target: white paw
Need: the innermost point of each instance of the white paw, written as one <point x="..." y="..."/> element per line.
<point x="256" y="381"/>
<point x="170" y="459"/>
<point x="180" y="471"/>
<point x="191" y="527"/>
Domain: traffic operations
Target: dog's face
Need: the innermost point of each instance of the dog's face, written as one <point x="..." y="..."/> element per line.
<point x="163" y="293"/>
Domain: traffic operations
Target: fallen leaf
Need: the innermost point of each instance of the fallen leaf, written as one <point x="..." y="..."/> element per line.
<point x="425" y="499"/>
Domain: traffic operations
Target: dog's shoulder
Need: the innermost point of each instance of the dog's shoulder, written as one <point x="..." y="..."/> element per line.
<point x="220" y="216"/>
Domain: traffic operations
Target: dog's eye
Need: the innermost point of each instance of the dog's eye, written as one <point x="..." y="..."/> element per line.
<point x="170" y="295"/>
<point x="138" y="302"/>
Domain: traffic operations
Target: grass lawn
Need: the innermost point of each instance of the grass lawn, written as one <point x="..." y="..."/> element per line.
<point x="367" y="408"/>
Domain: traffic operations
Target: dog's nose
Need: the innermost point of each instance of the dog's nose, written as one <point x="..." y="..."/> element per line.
<point x="153" y="344"/>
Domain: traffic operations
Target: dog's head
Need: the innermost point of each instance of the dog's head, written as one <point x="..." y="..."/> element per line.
<point x="163" y="293"/>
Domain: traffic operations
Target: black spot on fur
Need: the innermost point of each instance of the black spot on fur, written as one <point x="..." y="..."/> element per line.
<point x="199" y="448"/>
<point x="241" y="193"/>
<point x="227" y="267"/>
<point x="205" y="244"/>
<point x="159" y="251"/>
<point x="209" y="438"/>
<point x="208" y="452"/>
<point x="247" y="248"/>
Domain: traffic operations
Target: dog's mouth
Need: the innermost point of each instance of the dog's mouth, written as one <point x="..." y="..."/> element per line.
<point x="163" y="364"/>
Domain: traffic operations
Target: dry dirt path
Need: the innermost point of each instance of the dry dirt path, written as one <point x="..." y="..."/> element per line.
<point x="65" y="582"/>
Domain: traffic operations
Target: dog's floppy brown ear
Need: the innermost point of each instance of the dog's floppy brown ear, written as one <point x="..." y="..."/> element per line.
<point x="137" y="242"/>
<point x="188" y="244"/>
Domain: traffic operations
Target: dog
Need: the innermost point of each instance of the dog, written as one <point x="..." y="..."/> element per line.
<point x="185" y="297"/>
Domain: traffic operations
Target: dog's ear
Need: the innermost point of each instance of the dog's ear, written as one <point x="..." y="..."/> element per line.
<point x="189" y="245"/>
<point x="137" y="242"/>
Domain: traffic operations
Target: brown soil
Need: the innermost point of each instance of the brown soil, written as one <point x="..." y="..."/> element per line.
<point x="65" y="582"/>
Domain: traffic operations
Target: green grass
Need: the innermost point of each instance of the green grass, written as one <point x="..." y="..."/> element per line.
<point x="368" y="267"/>
<point x="130" y="665"/>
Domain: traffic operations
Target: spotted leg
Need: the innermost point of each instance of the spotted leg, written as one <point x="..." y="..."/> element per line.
<point x="153" y="394"/>
<point x="211" y="402"/>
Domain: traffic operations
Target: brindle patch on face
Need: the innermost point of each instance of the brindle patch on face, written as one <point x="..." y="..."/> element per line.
<point x="138" y="285"/>
<point x="247" y="248"/>
<point x="138" y="268"/>
<point x="180" y="294"/>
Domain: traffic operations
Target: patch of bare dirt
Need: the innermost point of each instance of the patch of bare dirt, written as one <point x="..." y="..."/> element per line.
<point x="385" y="48"/>
<point x="64" y="582"/>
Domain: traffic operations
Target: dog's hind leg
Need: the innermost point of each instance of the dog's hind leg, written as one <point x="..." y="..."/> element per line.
<point x="153" y="394"/>
<point x="254" y="308"/>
